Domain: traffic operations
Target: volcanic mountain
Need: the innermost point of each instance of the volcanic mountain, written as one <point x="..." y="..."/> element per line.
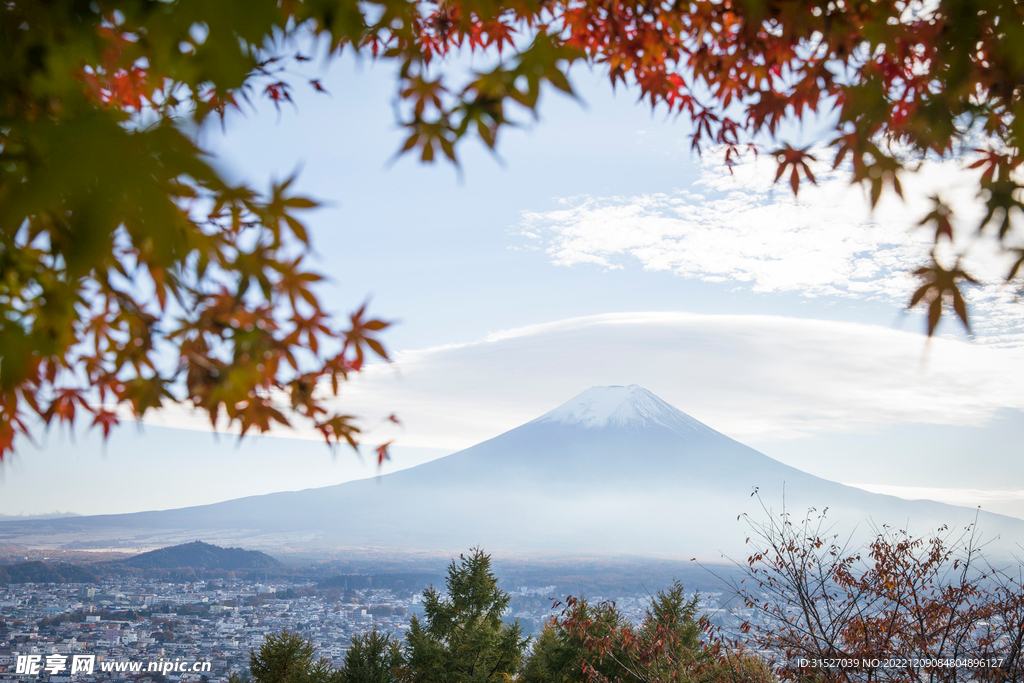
<point x="613" y="470"/>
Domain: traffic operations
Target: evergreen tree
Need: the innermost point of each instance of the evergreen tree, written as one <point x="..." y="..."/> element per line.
<point x="674" y="620"/>
<point x="464" y="639"/>
<point x="287" y="657"/>
<point x="373" y="657"/>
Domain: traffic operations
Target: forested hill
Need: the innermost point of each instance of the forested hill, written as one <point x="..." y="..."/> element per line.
<point x="199" y="555"/>
<point x="40" y="572"/>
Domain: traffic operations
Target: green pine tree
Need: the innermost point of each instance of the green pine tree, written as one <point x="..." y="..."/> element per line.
<point x="464" y="639"/>
<point x="287" y="657"/>
<point x="373" y="657"/>
<point x="674" y="621"/>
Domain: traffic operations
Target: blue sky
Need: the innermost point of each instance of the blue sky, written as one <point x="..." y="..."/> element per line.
<point x="437" y="249"/>
<point x="518" y="283"/>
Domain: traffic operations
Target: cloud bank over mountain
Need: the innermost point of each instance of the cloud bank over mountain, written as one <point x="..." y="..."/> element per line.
<point x="754" y="377"/>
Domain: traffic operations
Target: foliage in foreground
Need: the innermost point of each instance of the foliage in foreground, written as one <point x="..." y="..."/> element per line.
<point x="133" y="273"/>
<point x="464" y="639"/>
<point x="674" y="644"/>
<point x="903" y="609"/>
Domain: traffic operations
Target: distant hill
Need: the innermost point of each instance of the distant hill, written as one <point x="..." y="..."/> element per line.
<point x="40" y="572"/>
<point x="199" y="555"/>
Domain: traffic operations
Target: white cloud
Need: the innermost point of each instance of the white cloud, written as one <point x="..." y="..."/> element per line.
<point x="747" y="229"/>
<point x="751" y="377"/>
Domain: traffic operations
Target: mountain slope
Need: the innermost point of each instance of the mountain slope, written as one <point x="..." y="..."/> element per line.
<point x="613" y="470"/>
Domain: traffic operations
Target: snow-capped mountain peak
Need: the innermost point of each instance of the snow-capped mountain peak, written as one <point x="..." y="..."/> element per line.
<point x="629" y="407"/>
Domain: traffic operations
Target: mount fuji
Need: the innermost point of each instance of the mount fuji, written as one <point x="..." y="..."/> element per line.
<point x="615" y="470"/>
